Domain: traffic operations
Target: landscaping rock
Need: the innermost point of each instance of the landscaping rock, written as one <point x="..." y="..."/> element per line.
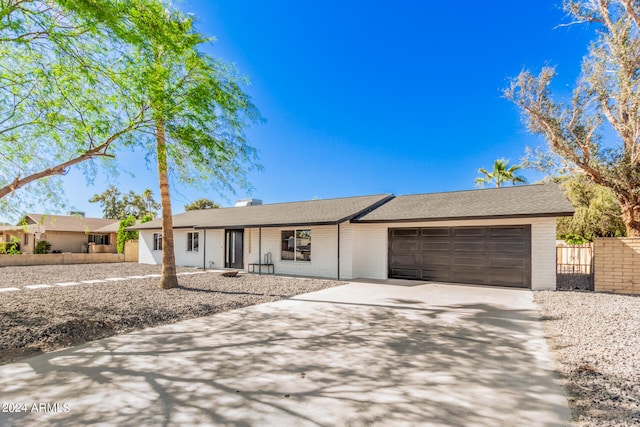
<point x="34" y="320"/>
<point x="232" y="273"/>
<point x="596" y="339"/>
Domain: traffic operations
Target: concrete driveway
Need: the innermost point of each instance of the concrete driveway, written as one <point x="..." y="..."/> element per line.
<point x="393" y="354"/>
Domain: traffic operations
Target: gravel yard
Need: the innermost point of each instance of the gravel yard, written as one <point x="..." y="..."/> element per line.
<point x="44" y="308"/>
<point x="596" y="339"/>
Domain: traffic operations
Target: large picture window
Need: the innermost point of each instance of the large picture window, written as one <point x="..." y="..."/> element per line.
<point x="99" y="239"/>
<point x="192" y="242"/>
<point x="296" y="245"/>
<point x="157" y="241"/>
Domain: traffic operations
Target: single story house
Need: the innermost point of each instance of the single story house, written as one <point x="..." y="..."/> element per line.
<point x="504" y="236"/>
<point x="66" y="233"/>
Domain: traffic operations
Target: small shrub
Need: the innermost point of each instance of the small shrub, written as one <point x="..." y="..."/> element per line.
<point x="10" y="248"/>
<point x="42" y="247"/>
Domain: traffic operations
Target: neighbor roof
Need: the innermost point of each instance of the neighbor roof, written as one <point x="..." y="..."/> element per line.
<point x="312" y="212"/>
<point x="538" y="200"/>
<point x="69" y="222"/>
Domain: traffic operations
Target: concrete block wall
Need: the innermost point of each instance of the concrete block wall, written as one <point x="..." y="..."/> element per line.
<point x="131" y="251"/>
<point x="58" y="259"/>
<point x="617" y="265"/>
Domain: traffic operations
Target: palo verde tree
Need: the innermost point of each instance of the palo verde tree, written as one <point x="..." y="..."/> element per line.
<point x="64" y="100"/>
<point x="598" y="131"/>
<point x="199" y="111"/>
<point x="500" y="174"/>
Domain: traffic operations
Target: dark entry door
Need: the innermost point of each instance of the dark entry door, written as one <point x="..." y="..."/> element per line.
<point x="234" y="251"/>
<point x="496" y="255"/>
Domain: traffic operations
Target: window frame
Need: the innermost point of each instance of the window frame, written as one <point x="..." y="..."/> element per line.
<point x="193" y="241"/>
<point x="102" y="238"/>
<point x="295" y="244"/>
<point x="157" y="241"/>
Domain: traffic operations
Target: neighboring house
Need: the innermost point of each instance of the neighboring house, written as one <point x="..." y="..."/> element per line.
<point x="66" y="233"/>
<point x="502" y="237"/>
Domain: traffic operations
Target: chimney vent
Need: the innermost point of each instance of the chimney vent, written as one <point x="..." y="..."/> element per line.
<point x="248" y="202"/>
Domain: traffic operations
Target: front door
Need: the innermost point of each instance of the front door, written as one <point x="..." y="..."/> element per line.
<point x="233" y="242"/>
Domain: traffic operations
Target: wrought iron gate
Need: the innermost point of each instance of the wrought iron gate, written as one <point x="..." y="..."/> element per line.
<point x="574" y="267"/>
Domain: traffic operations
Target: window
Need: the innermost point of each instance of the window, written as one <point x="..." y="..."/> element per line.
<point x="192" y="242"/>
<point x="296" y="245"/>
<point x="26" y="239"/>
<point x="99" y="239"/>
<point x="157" y="241"/>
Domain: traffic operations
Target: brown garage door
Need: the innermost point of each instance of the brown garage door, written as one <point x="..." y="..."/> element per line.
<point x="480" y="255"/>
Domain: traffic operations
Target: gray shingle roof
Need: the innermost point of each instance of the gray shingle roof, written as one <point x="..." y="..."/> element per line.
<point x="312" y="212"/>
<point x="536" y="200"/>
<point x="70" y="222"/>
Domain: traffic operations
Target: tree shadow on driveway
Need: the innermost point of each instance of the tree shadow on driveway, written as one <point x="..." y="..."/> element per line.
<point x="305" y="361"/>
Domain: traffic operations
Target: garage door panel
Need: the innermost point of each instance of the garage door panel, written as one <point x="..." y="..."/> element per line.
<point x="469" y="246"/>
<point x="495" y="255"/>
<point x="405" y="245"/>
<point x="406" y="273"/>
<point x="405" y="232"/>
<point x="435" y="259"/>
<point x="504" y="277"/>
<point x="469" y="262"/>
<point x="435" y="275"/>
<point x="434" y="246"/>
<point x="435" y="232"/>
<point x="517" y="232"/>
<point x="466" y="232"/>
<point x="410" y="260"/>
<point x="507" y="247"/>
<point x="512" y="263"/>
<point x="468" y="275"/>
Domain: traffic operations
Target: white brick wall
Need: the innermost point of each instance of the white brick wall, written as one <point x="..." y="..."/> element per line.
<point x="346" y="251"/>
<point x="543" y="254"/>
<point x="324" y="252"/>
<point x="214" y="248"/>
<point x="363" y="249"/>
<point x="370" y="251"/>
<point x="184" y="257"/>
<point x="146" y="254"/>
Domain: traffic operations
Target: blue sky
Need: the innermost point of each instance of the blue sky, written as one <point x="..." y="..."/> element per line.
<point x="373" y="97"/>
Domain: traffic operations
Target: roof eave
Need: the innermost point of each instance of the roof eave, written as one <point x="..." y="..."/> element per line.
<point x="458" y="218"/>
<point x="284" y="224"/>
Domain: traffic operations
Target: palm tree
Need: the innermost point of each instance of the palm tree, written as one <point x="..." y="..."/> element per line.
<point x="500" y="174"/>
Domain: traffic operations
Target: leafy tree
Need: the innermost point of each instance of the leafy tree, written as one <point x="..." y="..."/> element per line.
<point x="597" y="210"/>
<point x="598" y="131"/>
<point x="500" y="174"/>
<point x="146" y="218"/>
<point x="64" y="100"/>
<point x="118" y="206"/>
<point x="125" y="235"/>
<point x="111" y="202"/>
<point x="198" y="109"/>
<point x="201" y="204"/>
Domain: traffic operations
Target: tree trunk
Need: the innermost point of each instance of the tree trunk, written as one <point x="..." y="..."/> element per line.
<point x="631" y="218"/>
<point x="169" y="277"/>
